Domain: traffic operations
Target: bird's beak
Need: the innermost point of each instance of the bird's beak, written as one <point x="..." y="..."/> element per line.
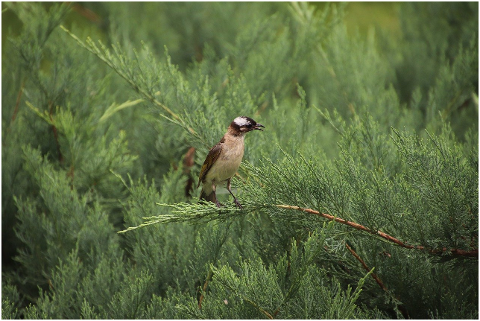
<point x="259" y="126"/>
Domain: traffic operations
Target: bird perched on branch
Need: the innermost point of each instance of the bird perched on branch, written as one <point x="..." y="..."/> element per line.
<point x="224" y="158"/>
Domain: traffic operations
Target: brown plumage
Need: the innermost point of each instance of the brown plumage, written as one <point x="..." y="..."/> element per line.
<point x="224" y="158"/>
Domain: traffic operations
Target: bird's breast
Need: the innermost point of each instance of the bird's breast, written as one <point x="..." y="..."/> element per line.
<point x="228" y="162"/>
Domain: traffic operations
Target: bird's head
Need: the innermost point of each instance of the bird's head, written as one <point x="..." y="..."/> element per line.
<point x="243" y="124"/>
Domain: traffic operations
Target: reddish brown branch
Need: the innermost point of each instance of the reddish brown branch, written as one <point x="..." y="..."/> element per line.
<point x="209" y="276"/>
<point x="401" y="308"/>
<point x="375" y="277"/>
<point x="87" y="13"/>
<point x="472" y="253"/>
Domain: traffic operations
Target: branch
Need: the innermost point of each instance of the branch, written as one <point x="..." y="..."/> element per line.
<point x="209" y="276"/>
<point x="200" y="213"/>
<point x="193" y="213"/>
<point x="377" y="279"/>
<point x="107" y="58"/>
<point x="258" y="307"/>
<point x="459" y="252"/>
<point x="400" y="306"/>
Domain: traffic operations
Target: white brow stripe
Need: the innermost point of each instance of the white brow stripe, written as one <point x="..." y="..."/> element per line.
<point x="241" y="121"/>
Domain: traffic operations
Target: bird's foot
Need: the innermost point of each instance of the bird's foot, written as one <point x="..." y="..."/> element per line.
<point x="237" y="203"/>
<point x="218" y="204"/>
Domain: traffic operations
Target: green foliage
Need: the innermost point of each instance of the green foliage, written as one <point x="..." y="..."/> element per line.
<point x="10" y="299"/>
<point x="360" y="198"/>
<point x="292" y="288"/>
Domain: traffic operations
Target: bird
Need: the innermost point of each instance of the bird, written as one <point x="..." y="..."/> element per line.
<point x="224" y="158"/>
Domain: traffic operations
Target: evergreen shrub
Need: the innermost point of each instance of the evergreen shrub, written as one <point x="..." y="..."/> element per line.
<point x="360" y="198"/>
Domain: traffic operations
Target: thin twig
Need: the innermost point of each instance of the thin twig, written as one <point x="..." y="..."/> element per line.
<point x="209" y="276"/>
<point x="258" y="307"/>
<point x="401" y="308"/>
<point x="87" y="13"/>
<point x="106" y="59"/>
<point x="377" y="279"/>
<point x="472" y="253"/>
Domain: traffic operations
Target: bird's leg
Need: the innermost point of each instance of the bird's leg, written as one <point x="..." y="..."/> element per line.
<point x="215" y="196"/>
<point x="229" y="186"/>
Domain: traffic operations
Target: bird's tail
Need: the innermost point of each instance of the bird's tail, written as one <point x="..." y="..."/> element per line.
<point x="211" y="197"/>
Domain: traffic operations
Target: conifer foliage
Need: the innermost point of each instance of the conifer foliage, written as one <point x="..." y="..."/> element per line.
<point x="360" y="198"/>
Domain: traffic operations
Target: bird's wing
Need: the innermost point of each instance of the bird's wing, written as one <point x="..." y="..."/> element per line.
<point x="209" y="161"/>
